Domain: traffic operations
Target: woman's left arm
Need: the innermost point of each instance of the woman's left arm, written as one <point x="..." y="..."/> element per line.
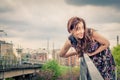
<point x="103" y="41"/>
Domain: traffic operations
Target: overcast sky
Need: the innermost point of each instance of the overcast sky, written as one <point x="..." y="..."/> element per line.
<point x="32" y="23"/>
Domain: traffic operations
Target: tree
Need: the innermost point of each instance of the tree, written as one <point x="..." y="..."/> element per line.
<point x="51" y="70"/>
<point x="116" y="54"/>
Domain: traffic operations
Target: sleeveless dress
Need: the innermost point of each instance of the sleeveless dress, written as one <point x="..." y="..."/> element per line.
<point x="103" y="60"/>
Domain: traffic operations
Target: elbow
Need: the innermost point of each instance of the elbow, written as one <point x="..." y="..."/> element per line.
<point x="108" y="44"/>
<point x="64" y="56"/>
<point x="61" y="55"/>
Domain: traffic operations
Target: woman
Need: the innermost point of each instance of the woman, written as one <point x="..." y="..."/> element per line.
<point x="90" y="42"/>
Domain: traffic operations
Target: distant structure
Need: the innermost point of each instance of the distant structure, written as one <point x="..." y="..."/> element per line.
<point x="19" y="52"/>
<point x="2" y="31"/>
<point x="6" y="50"/>
<point x="70" y="61"/>
<point x="117" y="40"/>
<point x="33" y="56"/>
<point x="6" y="53"/>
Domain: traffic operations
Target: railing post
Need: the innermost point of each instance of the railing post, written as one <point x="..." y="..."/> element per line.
<point x="83" y="69"/>
<point x="88" y="71"/>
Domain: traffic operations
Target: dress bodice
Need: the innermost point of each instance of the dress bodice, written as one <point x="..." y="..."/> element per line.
<point x="103" y="60"/>
<point x="91" y="45"/>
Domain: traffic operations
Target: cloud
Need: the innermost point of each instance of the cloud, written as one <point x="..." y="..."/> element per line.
<point x="92" y="14"/>
<point x="4" y="7"/>
<point x="110" y="31"/>
<point x="3" y="10"/>
<point x="30" y="23"/>
<point x="115" y="3"/>
<point x="35" y="21"/>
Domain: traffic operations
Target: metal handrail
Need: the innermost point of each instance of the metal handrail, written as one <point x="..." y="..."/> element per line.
<point x="88" y="71"/>
<point x="6" y="66"/>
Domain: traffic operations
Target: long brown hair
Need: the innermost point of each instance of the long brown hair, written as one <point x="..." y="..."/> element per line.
<point x="82" y="43"/>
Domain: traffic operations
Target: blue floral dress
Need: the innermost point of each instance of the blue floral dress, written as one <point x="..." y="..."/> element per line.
<point x="103" y="61"/>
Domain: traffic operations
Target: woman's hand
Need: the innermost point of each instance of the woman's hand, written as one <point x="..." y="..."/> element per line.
<point x="90" y="54"/>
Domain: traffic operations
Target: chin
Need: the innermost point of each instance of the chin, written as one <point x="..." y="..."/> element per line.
<point x="80" y="37"/>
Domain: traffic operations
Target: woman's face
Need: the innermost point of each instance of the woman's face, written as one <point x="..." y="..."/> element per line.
<point x="78" y="31"/>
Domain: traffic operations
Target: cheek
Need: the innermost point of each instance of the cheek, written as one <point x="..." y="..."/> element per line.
<point x="83" y="30"/>
<point x="75" y="34"/>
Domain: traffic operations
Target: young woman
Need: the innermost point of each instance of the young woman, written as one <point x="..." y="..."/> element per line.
<point x="88" y="41"/>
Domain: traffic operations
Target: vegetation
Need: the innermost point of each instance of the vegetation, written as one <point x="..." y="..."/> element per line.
<point x="53" y="71"/>
<point x="50" y="71"/>
<point x="9" y="79"/>
<point x="116" y="55"/>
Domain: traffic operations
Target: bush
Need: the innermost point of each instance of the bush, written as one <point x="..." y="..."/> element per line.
<point x="9" y="79"/>
<point x="116" y="55"/>
<point x="53" y="71"/>
<point x="50" y="70"/>
<point x="70" y="73"/>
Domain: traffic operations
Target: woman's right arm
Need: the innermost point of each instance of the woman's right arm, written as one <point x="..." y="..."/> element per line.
<point x="65" y="48"/>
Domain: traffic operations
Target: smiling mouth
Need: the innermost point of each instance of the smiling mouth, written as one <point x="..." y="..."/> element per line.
<point x="81" y="35"/>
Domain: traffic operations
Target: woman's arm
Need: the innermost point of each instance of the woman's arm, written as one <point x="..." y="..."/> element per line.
<point x="103" y="41"/>
<point x="70" y="54"/>
<point x="65" y="48"/>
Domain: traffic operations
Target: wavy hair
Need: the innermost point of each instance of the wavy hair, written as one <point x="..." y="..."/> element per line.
<point x="82" y="44"/>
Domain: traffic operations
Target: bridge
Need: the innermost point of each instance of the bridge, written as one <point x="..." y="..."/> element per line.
<point x="19" y="72"/>
<point x="88" y="71"/>
<point x="10" y="64"/>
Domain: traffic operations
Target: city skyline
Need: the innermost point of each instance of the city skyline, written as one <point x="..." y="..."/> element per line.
<point x="42" y="23"/>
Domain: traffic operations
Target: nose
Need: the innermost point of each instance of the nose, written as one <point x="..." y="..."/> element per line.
<point x="80" y="31"/>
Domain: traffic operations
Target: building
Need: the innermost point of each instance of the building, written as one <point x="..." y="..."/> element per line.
<point x="34" y="56"/>
<point x="70" y="61"/>
<point x="6" y="53"/>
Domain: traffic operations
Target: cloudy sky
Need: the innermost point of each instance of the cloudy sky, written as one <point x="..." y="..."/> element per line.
<point x="34" y="23"/>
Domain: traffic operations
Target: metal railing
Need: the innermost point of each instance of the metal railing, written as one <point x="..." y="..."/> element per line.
<point x="88" y="71"/>
<point x="7" y="65"/>
<point x="10" y="68"/>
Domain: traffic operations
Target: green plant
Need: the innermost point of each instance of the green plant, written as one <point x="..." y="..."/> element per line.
<point x="9" y="79"/>
<point x="116" y="55"/>
<point x="51" y="69"/>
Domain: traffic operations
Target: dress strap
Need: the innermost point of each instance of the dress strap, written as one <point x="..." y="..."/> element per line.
<point x="90" y="31"/>
<point x="72" y="40"/>
<point x="90" y="34"/>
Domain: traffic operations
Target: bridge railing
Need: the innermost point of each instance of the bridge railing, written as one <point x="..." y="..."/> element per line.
<point x="88" y="71"/>
<point x="5" y="66"/>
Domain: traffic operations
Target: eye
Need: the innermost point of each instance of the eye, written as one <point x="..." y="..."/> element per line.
<point x="82" y="27"/>
<point x="79" y="26"/>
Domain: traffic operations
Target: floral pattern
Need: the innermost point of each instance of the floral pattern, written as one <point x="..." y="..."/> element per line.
<point x="103" y="61"/>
